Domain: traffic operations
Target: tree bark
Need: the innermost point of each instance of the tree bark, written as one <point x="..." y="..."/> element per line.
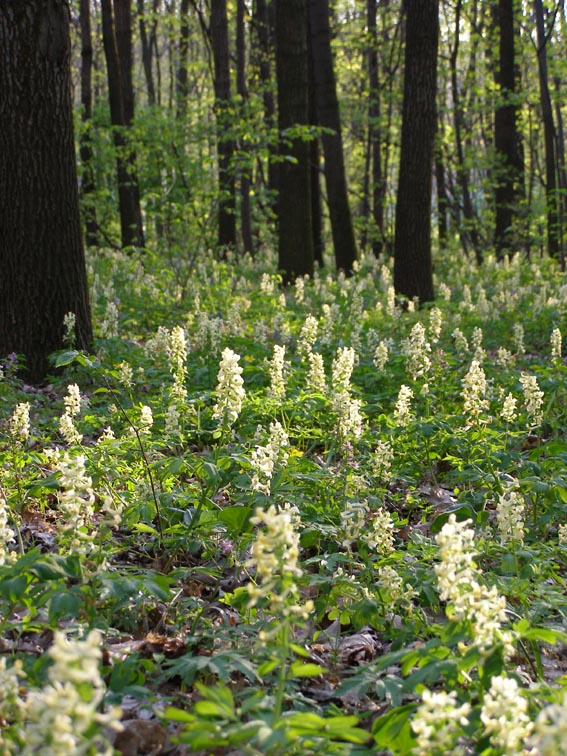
<point x="85" y="146"/>
<point x="509" y="170"/>
<point x="147" y="45"/>
<point x="225" y="143"/>
<point x="295" y="239"/>
<point x="242" y="89"/>
<point x="118" y="55"/>
<point x="469" y="229"/>
<point x="263" y="23"/>
<point x="375" y="179"/>
<point x="549" y="135"/>
<point x="413" y="275"/>
<point x="328" y="117"/>
<point x="41" y="248"/>
<point x="182" y="79"/>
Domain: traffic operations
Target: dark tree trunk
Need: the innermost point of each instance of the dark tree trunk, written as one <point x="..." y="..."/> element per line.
<point x="242" y="89"/>
<point x="553" y="230"/>
<point x="225" y="143"/>
<point x="85" y="147"/>
<point x="442" y="201"/>
<point x="374" y="130"/>
<point x="263" y="22"/>
<point x="328" y="117"/>
<point x="41" y="248"/>
<point x="413" y="276"/>
<point x="469" y="229"/>
<point x="146" y="43"/>
<point x="509" y="170"/>
<point x="118" y="55"/>
<point x="182" y="79"/>
<point x="315" y="168"/>
<point x="295" y="234"/>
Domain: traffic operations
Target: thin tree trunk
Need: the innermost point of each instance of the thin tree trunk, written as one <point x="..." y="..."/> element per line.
<point x="374" y="130"/>
<point x="85" y="146"/>
<point x="549" y="135"/>
<point x="225" y="143"/>
<point x="263" y="22"/>
<point x="328" y="117"/>
<point x="315" y="168"/>
<point x="147" y="52"/>
<point x="121" y="113"/>
<point x="242" y="89"/>
<point x="442" y="200"/>
<point x="470" y="229"/>
<point x="182" y="79"/>
<point x="41" y="246"/>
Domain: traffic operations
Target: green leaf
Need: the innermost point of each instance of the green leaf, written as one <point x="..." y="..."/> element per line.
<point x="393" y="732"/>
<point x="303" y="669"/>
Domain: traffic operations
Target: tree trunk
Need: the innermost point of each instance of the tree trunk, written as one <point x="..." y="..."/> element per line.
<point x="413" y="276"/>
<point x="441" y="186"/>
<point x="263" y="22"/>
<point x="146" y="44"/>
<point x="117" y="51"/>
<point x="469" y="229"/>
<point x="41" y="249"/>
<point x="85" y="147"/>
<point x="295" y="240"/>
<point x="376" y="185"/>
<point x="242" y="89"/>
<point x="225" y="143"/>
<point x="328" y="117"/>
<point x="315" y="166"/>
<point x="509" y="169"/>
<point x="182" y="80"/>
<point x="553" y="230"/>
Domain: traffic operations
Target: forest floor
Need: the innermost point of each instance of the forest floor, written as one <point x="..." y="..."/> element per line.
<point x="312" y="520"/>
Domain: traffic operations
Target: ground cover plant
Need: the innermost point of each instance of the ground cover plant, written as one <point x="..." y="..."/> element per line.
<point x="312" y="519"/>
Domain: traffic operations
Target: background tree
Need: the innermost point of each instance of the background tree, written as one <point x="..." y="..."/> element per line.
<point x="117" y="34"/>
<point x="413" y="275"/>
<point x="295" y="240"/>
<point x="552" y="203"/>
<point x="85" y="140"/>
<point x="245" y="163"/>
<point x="41" y="249"/>
<point x="509" y="168"/>
<point x="225" y="141"/>
<point x="328" y="117"/>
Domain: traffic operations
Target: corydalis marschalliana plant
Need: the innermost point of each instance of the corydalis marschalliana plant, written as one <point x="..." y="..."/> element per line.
<point x="230" y="390"/>
<point x="65" y="717"/>
<point x="468" y="600"/>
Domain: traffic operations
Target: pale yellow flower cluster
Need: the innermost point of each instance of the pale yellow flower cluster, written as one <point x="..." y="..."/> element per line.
<point x="277" y="366"/>
<point x="402" y="411"/>
<point x="307" y="336"/>
<point x="19" y="426"/>
<point x="510" y="516"/>
<point x="6" y="533"/>
<point x="533" y="398"/>
<point x="265" y="458"/>
<point x="504" y="716"/>
<point x="230" y="390"/>
<point x="417" y="349"/>
<point x="474" y="393"/>
<point x="76" y="497"/>
<point x="437" y="724"/>
<point x="459" y="583"/>
<point x="64" y="718"/>
<point x="72" y="404"/>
